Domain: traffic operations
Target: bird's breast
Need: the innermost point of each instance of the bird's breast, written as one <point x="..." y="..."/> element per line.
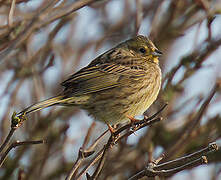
<point x="145" y="93"/>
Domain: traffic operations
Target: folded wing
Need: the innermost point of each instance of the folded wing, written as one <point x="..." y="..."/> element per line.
<point x="99" y="77"/>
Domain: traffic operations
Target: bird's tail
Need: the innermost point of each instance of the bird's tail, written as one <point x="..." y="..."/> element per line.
<point x="43" y="104"/>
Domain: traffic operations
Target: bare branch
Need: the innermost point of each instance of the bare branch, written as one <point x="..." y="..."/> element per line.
<point x="193" y="124"/>
<point x="15" y="123"/>
<point x="14" y="145"/>
<point x="6" y="141"/>
<point x="116" y="136"/>
<point x="171" y="167"/>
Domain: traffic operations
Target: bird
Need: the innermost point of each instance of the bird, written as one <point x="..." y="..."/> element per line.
<point x="116" y="86"/>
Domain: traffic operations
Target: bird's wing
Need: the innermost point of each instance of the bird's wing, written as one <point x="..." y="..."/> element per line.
<point x="99" y="77"/>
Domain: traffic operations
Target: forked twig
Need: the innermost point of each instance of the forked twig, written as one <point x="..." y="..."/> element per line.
<point x="169" y="168"/>
<point x="14" y="145"/>
<point x="84" y="153"/>
<point x="196" y="120"/>
<point x="7" y="139"/>
<point x="173" y="163"/>
<point x="116" y="136"/>
<point x="150" y="172"/>
<point x="16" y="122"/>
<point x="113" y="139"/>
<point x="91" y="163"/>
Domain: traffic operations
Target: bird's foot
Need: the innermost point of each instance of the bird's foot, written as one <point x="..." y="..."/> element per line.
<point x="111" y="129"/>
<point x="132" y="123"/>
<point x="132" y="119"/>
<point x="113" y="133"/>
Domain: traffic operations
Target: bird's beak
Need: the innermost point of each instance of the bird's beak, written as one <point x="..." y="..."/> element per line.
<point x="157" y="53"/>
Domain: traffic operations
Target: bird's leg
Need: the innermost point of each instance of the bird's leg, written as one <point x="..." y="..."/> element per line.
<point x="111" y="129"/>
<point x="132" y="119"/>
<point x="113" y="135"/>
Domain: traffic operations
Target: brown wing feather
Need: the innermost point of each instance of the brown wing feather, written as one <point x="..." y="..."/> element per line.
<point x="99" y="76"/>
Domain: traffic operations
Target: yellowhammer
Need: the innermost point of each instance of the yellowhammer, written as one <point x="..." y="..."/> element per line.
<point x="123" y="82"/>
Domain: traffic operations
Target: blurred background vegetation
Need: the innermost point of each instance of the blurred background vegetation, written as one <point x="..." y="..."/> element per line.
<point x="44" y="41"/>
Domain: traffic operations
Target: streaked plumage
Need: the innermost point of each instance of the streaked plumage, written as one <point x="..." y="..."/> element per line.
<point x="122" y="82"/>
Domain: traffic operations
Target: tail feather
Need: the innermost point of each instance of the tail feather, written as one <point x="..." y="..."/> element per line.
<point x="43" y="104"/>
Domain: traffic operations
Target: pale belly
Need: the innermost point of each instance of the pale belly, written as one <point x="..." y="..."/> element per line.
<point x="116" y="107"/>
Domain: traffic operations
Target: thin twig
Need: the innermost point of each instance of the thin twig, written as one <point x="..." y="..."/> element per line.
<point x="15" y="144"/>
<point x="83" y="153"/>
<point x="210" y="148"/>
<point x="31" y="26"/>
<point x="92" y="146"/>
<point x="171" y="167"/>
<point x="116" y="136"/>
<point x="11" y="13"/>
<point x="10" y="134"/>
<point x="193" y="124"/>
<point x="139" y="15"/>
<point x="150" y="172"/>
<point x="141" y="123"/>
<point x="16" y="122"/>
<point x="138" y="127"/>
<point x="101" y="154"/>
<point x="76" y="164"/>
<point x="65" y="11"/>
<point x="91" y="163"/>
<point x="101" y="162"/>
<point x="87" y="137"/>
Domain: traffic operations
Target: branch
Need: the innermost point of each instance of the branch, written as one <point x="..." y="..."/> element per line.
<point x="84" y="153"/>
<point x="38" y="21"/>
<point x="116" y="136"/>
<point x="188" y="131"/>
<point x="169" y="168"/>
<point x="65" y="11"/>
<point x="92" y="162"/>
<point x="197" y="57"/>
<point x="16" y="122"/>
<point x="15" y="144"/>
<point x="150" y="172"/>
<point x="29" y="28"/>
<point x="7" y="139"/>
<point x="113" y="139"/>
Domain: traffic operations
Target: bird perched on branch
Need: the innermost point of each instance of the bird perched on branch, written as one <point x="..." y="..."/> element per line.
<point x="119" y="84"/>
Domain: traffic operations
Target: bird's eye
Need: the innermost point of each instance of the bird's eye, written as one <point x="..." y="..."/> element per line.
<point x="142" y="50"/>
